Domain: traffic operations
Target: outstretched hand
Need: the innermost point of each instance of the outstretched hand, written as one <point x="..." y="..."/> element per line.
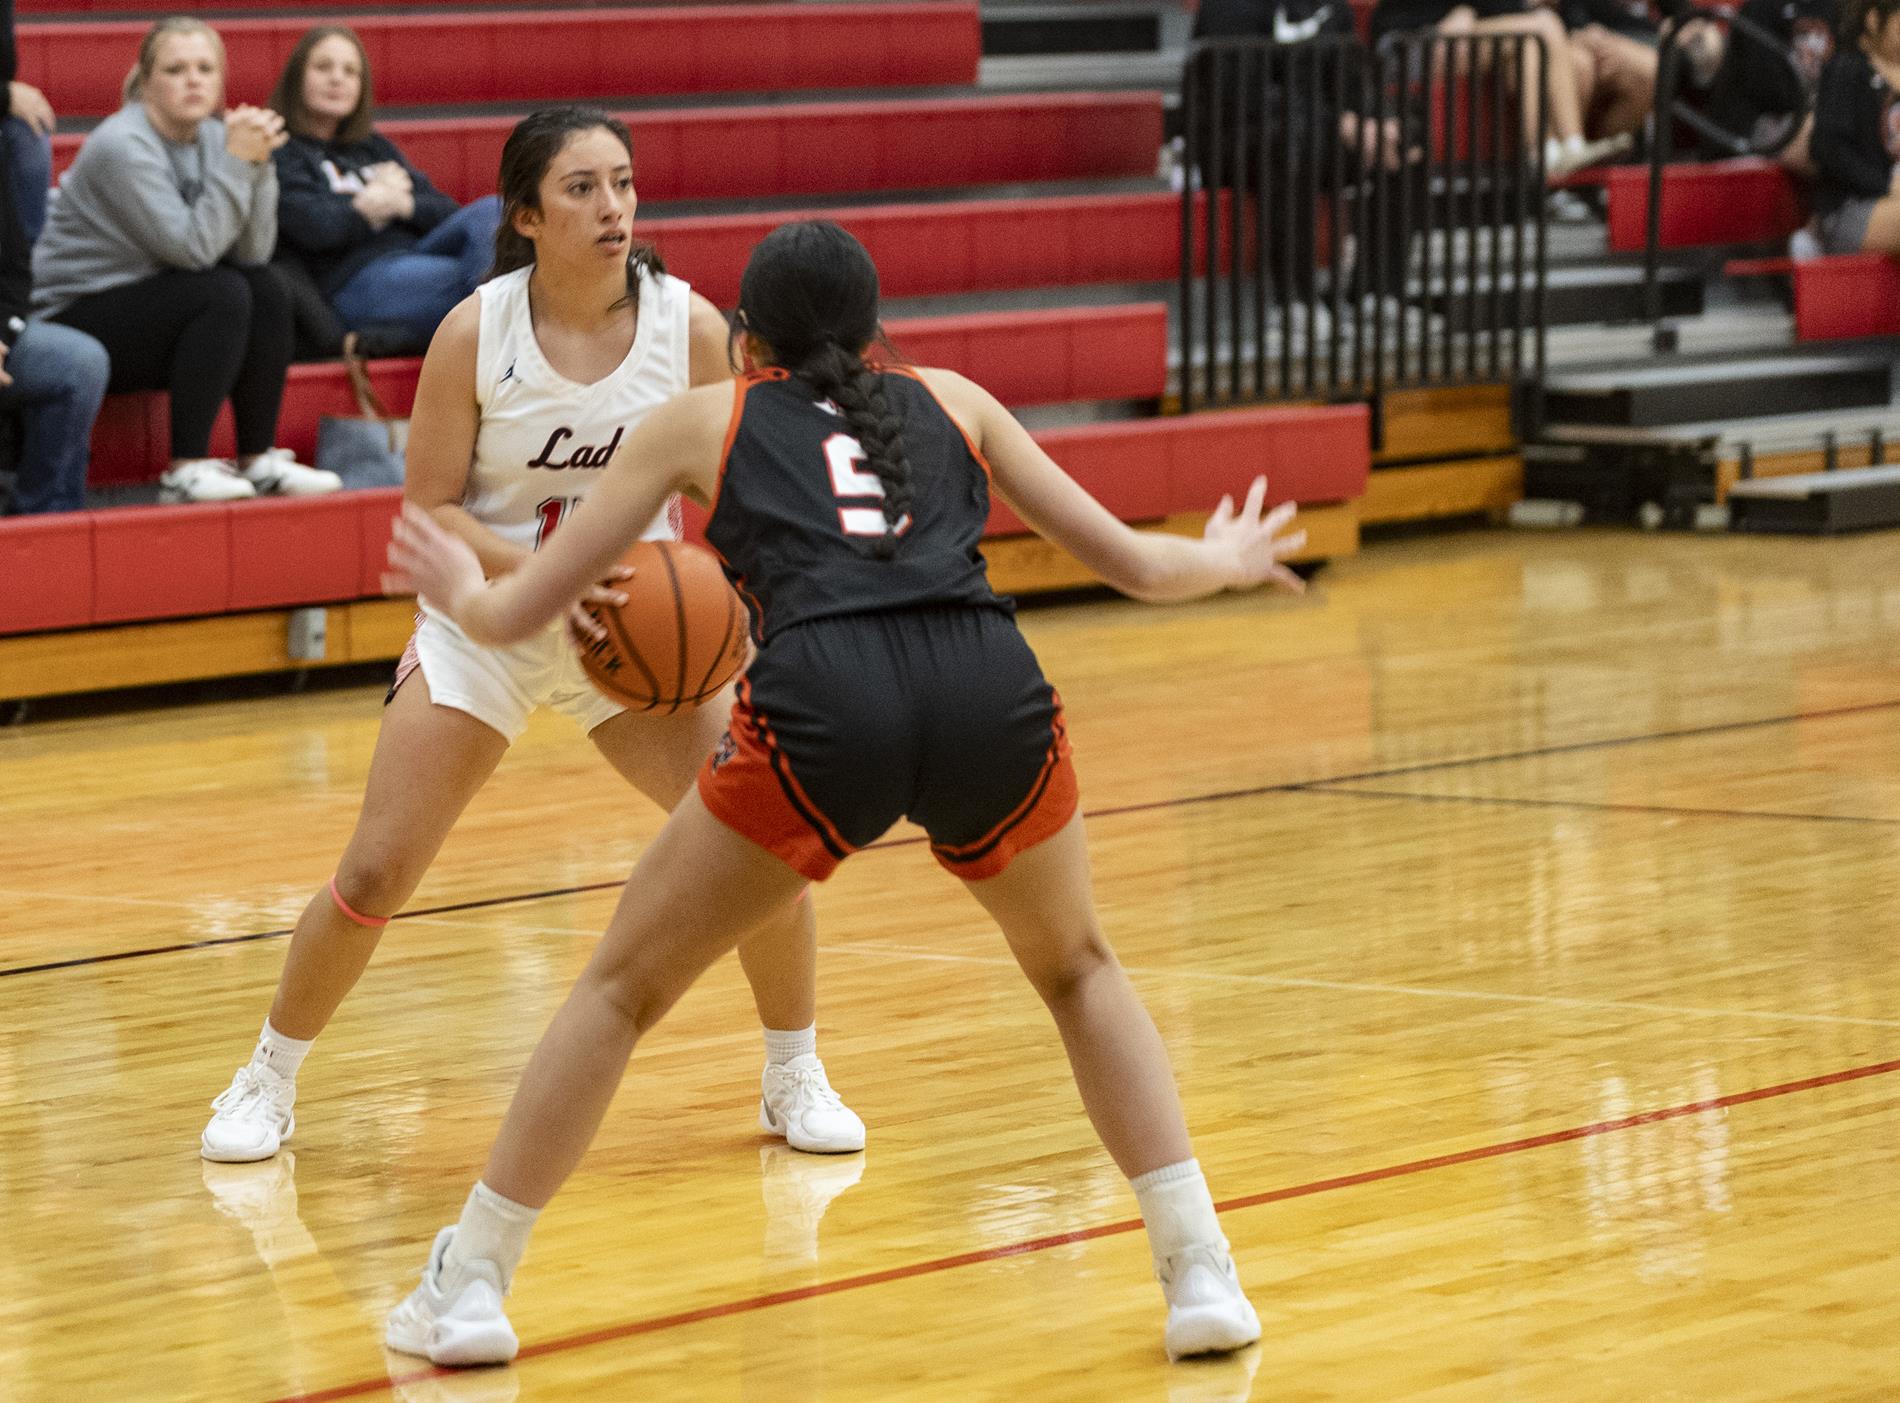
<point x="435" y="564"/>
<point x="1254" y="543"/>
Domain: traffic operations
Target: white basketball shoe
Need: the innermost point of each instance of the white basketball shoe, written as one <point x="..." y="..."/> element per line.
<point x="1208" y="1313"/>
<point x="797" y="1102"/>
<point x="254" y="1117"/>
<point x="454" y="1321"/>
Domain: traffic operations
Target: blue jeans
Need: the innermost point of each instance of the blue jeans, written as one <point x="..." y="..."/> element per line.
<point x="421" y="285"/>
<point x="59" y="378"/>
<point x="30" y="159"/>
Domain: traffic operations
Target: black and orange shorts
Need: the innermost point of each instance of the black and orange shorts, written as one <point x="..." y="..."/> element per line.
<point x="941" y="715"/>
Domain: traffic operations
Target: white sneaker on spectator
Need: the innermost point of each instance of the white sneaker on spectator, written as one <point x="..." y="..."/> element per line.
<point x="1804" y="244"/>
<point x="254" y="1117"/>
<point x="1208" y="1313"/>
<point x="1562" y="158"/>
<point x="796" y="1101"/>
<point x="457" y="1321"/>
<point x="276" y="473"/>
<point x="203" y="480"/>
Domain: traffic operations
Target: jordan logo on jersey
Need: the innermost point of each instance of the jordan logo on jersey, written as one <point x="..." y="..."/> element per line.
<point x="581" y="456"/>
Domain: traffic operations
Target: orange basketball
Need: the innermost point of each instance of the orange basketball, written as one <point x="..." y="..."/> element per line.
<point x="677" y="640"/>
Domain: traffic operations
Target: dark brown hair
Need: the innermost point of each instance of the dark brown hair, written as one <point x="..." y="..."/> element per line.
<point x="286" y="99"/>
<point x="531" y="148"/>
<point x="810" y="292"/>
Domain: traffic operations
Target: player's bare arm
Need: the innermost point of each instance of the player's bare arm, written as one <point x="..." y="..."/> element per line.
<point x="442" y="427"/>
<point x="1239" y="550"/>
<point x="675" y="449"/>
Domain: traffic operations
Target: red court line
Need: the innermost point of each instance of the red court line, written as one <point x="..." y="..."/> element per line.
<point x="654" y="1324"/>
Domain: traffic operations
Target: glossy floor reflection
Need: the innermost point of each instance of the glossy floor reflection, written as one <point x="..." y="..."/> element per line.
<point x="1519" y="910"/>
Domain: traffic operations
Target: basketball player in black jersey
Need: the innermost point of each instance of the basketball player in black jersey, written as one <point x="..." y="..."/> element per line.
<point x="889" y="681"/>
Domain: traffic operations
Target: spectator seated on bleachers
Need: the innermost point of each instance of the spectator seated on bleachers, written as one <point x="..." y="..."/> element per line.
<point x="1613" y="48"/>
<point x="1567" y="148"/>
<point x="158" y="247"/>
<point x="1755" y="95"/>
<point x="1856" y="140"/>
<point x="27" y="130"/>
<point x="52" y="378"/>
<point x="389" y="252"/>
<point x="1299" y="154"/>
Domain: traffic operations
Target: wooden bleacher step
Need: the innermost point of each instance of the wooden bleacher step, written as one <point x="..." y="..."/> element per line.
<point x="1817" y="504"/>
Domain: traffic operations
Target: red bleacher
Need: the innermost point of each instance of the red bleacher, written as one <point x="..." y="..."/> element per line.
<point x="1746" y="201"/>
<point x="181" y="561"/>
<point x="962" y="246"/>
<point x="538" y="55"/>
<point x="821" y="148"/>
<point x="1057" y="356"/>
<point x="216" y="9"/>
<point x="1839" y="299"/>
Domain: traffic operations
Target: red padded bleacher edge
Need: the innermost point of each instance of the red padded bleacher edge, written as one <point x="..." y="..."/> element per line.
<point x="1837" y="299"/>
<point x="820" y="148"/>
<point x="565" y="55"/>
<point x="1743" y="201"/>
<point x="175" y="562"/>
<point x="1044" y="356"/>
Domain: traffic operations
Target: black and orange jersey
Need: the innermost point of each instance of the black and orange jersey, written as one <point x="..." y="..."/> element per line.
<point x="797" y="518"/>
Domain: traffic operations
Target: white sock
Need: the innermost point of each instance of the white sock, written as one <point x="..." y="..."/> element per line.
<point x="1574" y="144"/>
<point x="280" y="1054"/>
<point x="491" y="1229"/>
<point x="781" y="1048"/>
<point x="1177" y="1209"/>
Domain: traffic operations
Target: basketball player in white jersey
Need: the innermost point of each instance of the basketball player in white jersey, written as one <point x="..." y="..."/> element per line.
<point x="528" y="388"/>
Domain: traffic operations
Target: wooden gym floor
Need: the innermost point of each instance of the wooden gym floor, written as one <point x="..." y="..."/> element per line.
<point x="1520" y="910"/>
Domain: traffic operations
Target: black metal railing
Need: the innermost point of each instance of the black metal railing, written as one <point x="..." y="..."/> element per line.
<point x="1358" y="221"/>
<point x="1671" y="111"/>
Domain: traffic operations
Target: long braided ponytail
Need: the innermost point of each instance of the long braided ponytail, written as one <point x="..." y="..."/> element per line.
<point x="810" y="292"/>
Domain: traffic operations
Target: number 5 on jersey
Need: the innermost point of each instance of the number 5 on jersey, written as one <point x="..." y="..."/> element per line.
<point x="842" y="454"/>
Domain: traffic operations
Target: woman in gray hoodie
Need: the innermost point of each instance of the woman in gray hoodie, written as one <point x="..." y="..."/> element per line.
<point x="158" y="245"/>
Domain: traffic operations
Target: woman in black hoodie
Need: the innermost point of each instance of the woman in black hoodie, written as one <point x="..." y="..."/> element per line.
<point x="1856" y="138"/>
<point x="382" y="244"/>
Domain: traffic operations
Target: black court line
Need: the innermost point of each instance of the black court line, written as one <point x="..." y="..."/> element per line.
<point x="1309" y="786"/>
<point x="1673" y="810"/>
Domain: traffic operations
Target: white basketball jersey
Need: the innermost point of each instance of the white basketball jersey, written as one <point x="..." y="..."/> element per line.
<point x="544" y="439"/>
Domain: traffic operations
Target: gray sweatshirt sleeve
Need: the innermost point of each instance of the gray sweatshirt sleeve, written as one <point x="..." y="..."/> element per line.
<point x="259" y="240"/>
<point x="138" y="193"/>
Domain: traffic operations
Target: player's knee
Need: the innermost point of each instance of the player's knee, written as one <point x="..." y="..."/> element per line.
<point x="377" y="882"/>
<point x="1060" y="978"/>
<point x="638" y="989"/>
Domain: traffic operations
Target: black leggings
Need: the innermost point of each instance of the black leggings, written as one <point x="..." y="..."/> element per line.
<point x="204" y="336"/>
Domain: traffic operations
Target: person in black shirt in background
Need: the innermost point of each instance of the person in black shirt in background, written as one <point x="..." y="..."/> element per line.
<point x="1755" y="95"/>
<point x="1300" y="155"/>
<point x="1856" y="138"/>
<point x="383" y="246"/>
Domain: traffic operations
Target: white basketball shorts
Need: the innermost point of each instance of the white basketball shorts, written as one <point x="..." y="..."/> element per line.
<point x="500" y="687"/>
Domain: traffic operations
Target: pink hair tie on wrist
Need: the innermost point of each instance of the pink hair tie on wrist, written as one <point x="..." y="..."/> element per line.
<point x="373" y="922"/>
